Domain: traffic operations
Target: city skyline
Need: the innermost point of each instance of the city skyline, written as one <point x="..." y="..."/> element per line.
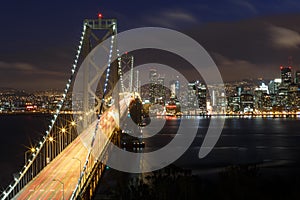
<point x="248" y="96"/>
<point x="203" y="96"/>
<point x="250" y="38"/>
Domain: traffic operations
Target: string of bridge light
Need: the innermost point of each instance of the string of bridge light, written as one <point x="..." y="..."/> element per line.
<point x="120" y="70"/>
<point x="105" y="83"/>
<point x="50" y="127"/>
<point x="98" y="121"/>
<point x="66" y="90"/>
<point x="108" y="65"/>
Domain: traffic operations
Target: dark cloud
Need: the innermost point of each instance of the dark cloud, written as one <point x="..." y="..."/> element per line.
<point x="29" y="77"/>
<point x="284" y="38"/>
<point x="39" y="39"/>
<point x="251" y="48"/>
<point x="172" y="18"/>
<point x="246" y="5"/>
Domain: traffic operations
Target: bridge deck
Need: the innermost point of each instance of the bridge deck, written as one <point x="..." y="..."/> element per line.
<point x="59" y="178"/>
<point x="63" y="168"/>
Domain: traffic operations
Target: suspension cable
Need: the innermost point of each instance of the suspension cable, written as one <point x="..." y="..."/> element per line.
<point x="59" y="106"/>
<point x="73" y="196"/>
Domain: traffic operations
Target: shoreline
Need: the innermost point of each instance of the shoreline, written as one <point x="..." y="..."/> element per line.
<point x="287" y="115"/>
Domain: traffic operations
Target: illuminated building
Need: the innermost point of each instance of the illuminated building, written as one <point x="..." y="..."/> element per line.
<point x="286" y="75"/>
<point x="262" y="98"/>
<point x="274" y="85"/>
<point x="247" y="103"/>
<point x="234" y="103"/>
<point x="157" y="89"/>
<point x="297" y="77"/>
<point x="264" y="88"/>
<point x="192" y="100"/>
<point x="175" y="88"/>
<point x="161" y="90"/>
<point x="197" y="93"/>
<point x="239" y="90"/>
<point x="153" y="81"/>
<point x="213" y="98"/>
<point x="293" y="95"/>
<point x="201" y="96"/>
<point x="222" y="103"/>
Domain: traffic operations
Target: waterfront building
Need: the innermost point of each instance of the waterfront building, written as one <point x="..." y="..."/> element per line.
<point x="234" y="104"/>
<point x="247" y="103"/>
<point x="197" y="97"/>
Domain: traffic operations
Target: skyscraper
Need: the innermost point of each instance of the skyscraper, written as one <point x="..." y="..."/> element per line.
<point x="274" y="85"/>
<point x="197" y="96"/>
<point x="160" y="89"/>
<point x="153" y="81"/>
<point x="297" y="77"/>
<point x="175" y="87"/>
<point x="286" y="75"/>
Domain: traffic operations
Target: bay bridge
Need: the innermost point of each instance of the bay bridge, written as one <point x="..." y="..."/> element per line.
<point x="65" y="163"/>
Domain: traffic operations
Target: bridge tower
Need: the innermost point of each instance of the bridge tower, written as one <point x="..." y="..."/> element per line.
<point x="56" y="138"/>
<point x="127" y="65"/>
<point x="97" y="30"/>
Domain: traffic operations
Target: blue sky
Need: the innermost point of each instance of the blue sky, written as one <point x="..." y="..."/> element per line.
<point x="39" y="38"/>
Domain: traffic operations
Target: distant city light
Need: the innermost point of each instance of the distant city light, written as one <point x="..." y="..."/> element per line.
<point x="99" y="15"/>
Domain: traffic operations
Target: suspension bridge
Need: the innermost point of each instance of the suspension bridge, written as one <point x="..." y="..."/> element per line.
<point x="65" y="163"/>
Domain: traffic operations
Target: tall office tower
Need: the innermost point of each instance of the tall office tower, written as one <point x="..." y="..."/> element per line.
<point x="175" y="88"/>
<point x="297" y="77"/>
<point x="197" y="96"/>
<point x="260" y="94"/>
<point x="274" y="85"/>
<point x="201" y="96"/>
<point x="239" y="90"/>
<point x="192" y="98"/>
<point x="152" y="87"/>
<point x="286" y="75"/>
<point x="160" y="89"/>
<point x="213" y="98"/>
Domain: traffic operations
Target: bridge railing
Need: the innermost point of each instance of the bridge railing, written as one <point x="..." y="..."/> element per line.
<point x="93" y="167"/>
<point x="39" y="155"/>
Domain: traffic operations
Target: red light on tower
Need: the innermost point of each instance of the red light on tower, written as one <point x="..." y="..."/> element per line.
<point x="281" y="67"/>
<point x="290" y="67"/>
<point x="100" y="15"/>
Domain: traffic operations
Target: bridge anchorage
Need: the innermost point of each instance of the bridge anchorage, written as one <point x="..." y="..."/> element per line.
<point x="64" y="163"/>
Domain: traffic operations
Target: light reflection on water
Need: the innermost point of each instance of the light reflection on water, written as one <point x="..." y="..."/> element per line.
<point x="243" y="141"/>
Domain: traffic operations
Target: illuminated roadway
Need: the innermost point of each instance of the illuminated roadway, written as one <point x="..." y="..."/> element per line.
<point x="59" y="178"/>
<point x="64" y="168"/>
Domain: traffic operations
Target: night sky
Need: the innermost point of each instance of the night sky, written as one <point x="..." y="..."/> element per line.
<point x="250" y="38"/>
